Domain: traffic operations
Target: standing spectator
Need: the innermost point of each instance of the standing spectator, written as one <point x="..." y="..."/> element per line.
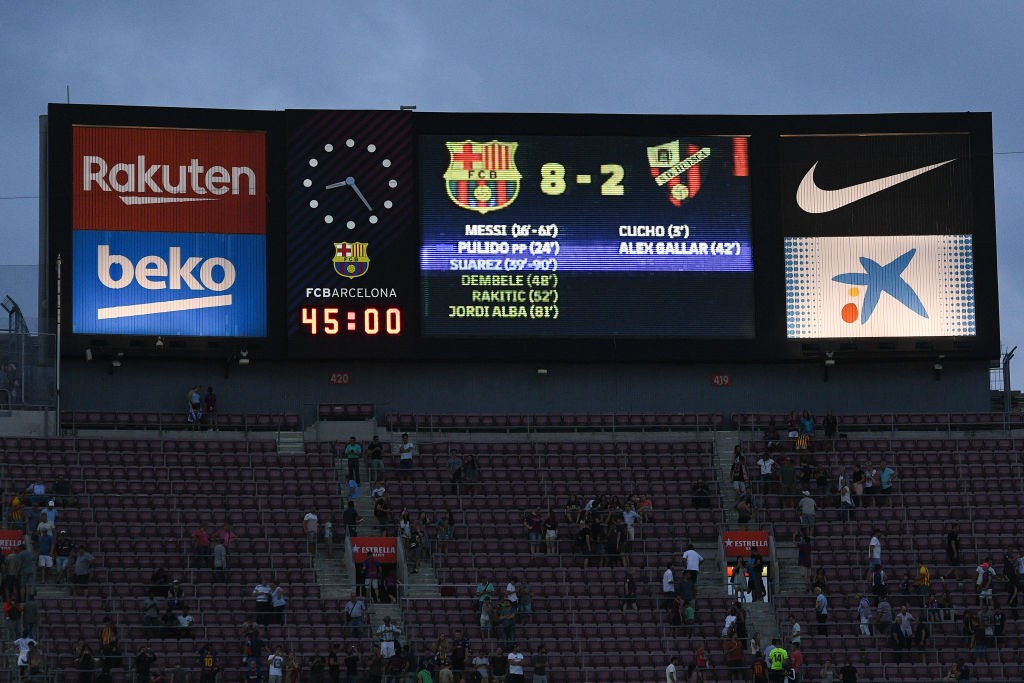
<point x="693" y="560"/>
<point x="499" y="665"/>
<point x="953" y="551"/>
<point x="200" y="548"/>
<point x="278" y="602"/>
<point x="350" y="518"/>
<point x="986" y="574"/>
<point x="875" y="551"/>
<point x="807" y="508"/>
<point x="848" y="673"/>
<point x="534" y="525"/>
<point x="354" y="610"/>
<point x="194" y="397"/>
<point x="261" y="592"/>
<point x="110" y="646"/>
<point x="62" y="551"/>
<point x="905" y="627"/>
<point x="923" y="582"/>
<point x="27" y="562"/>
<point x="865" y="614"/>
<point x="45" y="546"/>
<point x="845" y="502"/>
<point x="885" y="476"/>
<point x="738" y="472"/>
<point x="375" y="453"/>
<point x="831" y="425"/>
<point x="668" y="586"/>
<point x="329" y="537"/>
<point x="551" y="533"/>
<point x="275" y="666"/>
<point x="220" y="561"/>
<point x="794" y="630"/>
<point x="352" y="665"/>
<point x="353" y="456"/>
<point x="211" y="408"/>
<point x="311" y="527"/>
<point x="144" y="659"/>
<point x="515" y="665"/>
<point x="83" y="570"/>
<point x="803" y="557"/>
<point x="767" y="465"/>
<point x="734" y="657"/>
<point x="821" y="611"/>
<point x="406" y="450"/>
<point x="85" y="662"/>
<point x="371" y="579"/>
<point x="629" y="591"/>
<point x="387" y="634"/>
<point x="333" y="664"/>
<point x="739" y="580"/>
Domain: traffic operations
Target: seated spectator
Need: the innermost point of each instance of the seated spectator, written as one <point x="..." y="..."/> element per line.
<point x="63" y="495"/>
<point x="701" y="495"/>
<point x="159" y="582"/>
<point x="470" y="472"/>
<point x="184" y="623"/>
<point x="169" y="623"/>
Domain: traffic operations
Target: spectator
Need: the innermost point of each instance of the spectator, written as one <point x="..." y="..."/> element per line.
<point x="350" y="518"/>
<point x="701" y="496"/>
<point x="387" y="634"/>
<point x="175" y="593"/>
<point x="329" y="537"/>
<point x="455" y="470"/>
<point x="551" y="533"/>
<point x="738" y="474"/>
<point x="831" y="425"/>
<point x="84" y="661"/>
<point x="629" y="591"/>
<point x="83" y="570"/>
<point x="923" y="582"/>
<point x="220" y="561"/>
<point x="278" y="602"/>
<point x="311" y="528"/>
<point x="848" y="673"/>
<point x="150" y="617"/>
<point x="353" y="455"/>
<point x="821" y="611"/>
<point x="693" y="560"/>
<point x="470" y="472"/>
<point x="200" y="548"/>
<point x="375" y="453"/>
<point x="845" y="502"/>
<point x="275" y="666"/>
<point x="534" y="525"/>
<point x="382" y="512"/>
<point x="406" y="450"/>
<point x="807" y="508"/>
<point x="110" y="646"/>
<point x="352" y="665"/>
<point x="499" y="665"/>
<point x="144" y="659"/>
<point x="354" y="610"/>
<point x="668" y="586"/>
<point x="371" y="579"/>
<point x="734" y="657"/>
<point x="515" y="665"/>
<point x="982" y="585"/>
<point x="261" y="592"/>
<point x="739" y="580"/>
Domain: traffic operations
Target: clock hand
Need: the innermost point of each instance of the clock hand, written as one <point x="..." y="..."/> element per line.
<point x="352" y="182"/>
<point x="343" y="183"/>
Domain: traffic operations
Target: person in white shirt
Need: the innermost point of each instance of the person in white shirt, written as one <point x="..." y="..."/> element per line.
<point x="310" y="525"/>
<point x="406" y="449"/>
<point x="874" y="551"/>
<point x="668" y="586"/>
<point x="670" y="671"/>
<point x="387" y="633"/>
<point x="515" y="665"/>
<point x="693" y="560"/>
<point x="275" y="666"/>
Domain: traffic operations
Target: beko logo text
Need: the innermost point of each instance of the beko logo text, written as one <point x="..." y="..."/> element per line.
<point x="152" y="181"/>
<point x="215" y="274"/>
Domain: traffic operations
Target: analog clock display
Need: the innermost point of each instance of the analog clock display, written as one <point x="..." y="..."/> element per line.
<point x="337" y="196"/>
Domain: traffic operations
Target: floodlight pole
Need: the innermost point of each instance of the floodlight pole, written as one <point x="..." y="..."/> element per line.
<point x="1007" y="399"/>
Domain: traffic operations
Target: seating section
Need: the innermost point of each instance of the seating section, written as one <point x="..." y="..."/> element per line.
<point x="331" y="412"/>
<point x="137" y="503"/>
<point x="866" y="422"/>
<point x="577" y="611"/>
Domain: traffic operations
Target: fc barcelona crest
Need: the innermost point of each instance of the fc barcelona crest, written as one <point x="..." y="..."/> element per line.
<point x="677" y="169"/>
<point x="350" y="259"/>
<point x="482" y="176"/>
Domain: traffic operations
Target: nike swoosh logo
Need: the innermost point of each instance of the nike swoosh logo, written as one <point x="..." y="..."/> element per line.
<point x="813" y="199"/>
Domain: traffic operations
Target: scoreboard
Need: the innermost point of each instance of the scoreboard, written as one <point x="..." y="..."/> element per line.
<point x="420" y="236"/>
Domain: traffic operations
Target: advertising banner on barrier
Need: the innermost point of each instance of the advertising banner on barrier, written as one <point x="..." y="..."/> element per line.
<point x="10" y="540"/>
<point x="740" y="543"/>
<point x="382" y="547"/>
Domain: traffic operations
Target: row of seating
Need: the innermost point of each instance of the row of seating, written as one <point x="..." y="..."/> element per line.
<point x="888" y="421"/>
<point x="433" y="422"/>
<point x="71" y="421"/>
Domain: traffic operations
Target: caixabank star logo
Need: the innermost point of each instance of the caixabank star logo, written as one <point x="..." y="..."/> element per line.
<point x="892" y="286"/>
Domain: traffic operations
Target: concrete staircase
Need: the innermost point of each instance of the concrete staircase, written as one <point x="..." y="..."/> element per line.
<point x="291" y="442"/>
<point x="725" y="444"/>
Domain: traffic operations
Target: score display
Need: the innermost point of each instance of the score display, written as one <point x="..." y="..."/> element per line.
<point x="586" y="236"/>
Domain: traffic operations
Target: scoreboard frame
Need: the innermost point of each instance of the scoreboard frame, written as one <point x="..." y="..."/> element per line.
<point x="768" y="197"/>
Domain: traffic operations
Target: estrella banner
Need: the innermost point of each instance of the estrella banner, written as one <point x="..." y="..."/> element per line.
<point x="382" y="547"/>
<point x="740" y="543"/>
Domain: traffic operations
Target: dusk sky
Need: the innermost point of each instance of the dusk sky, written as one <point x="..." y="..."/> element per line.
<point x="596" y="56"/>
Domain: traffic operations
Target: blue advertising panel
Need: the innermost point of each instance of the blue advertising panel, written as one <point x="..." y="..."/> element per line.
<point x="158" y="283"/>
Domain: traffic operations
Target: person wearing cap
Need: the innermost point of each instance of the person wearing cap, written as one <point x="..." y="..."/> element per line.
<point x="807" y="508"/>
<point x="62" y="546"/>
<point x="983" y="584"/>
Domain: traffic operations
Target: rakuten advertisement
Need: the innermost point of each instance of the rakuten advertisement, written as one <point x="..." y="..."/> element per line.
<point x="169" y="232"/>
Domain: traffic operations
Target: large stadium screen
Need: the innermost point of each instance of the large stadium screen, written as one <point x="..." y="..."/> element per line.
<point x="878" y="236"/>
<point x="533" y="236"/>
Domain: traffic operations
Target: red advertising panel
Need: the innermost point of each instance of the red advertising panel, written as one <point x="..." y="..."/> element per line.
<point x="9" y="541"/>
<point x="382" y="547"/>
<point x="740" y="543"/>
<point x="169" y="180"/>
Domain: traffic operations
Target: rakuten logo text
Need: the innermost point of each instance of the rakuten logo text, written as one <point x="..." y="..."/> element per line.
<point x="140" y="177"/>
